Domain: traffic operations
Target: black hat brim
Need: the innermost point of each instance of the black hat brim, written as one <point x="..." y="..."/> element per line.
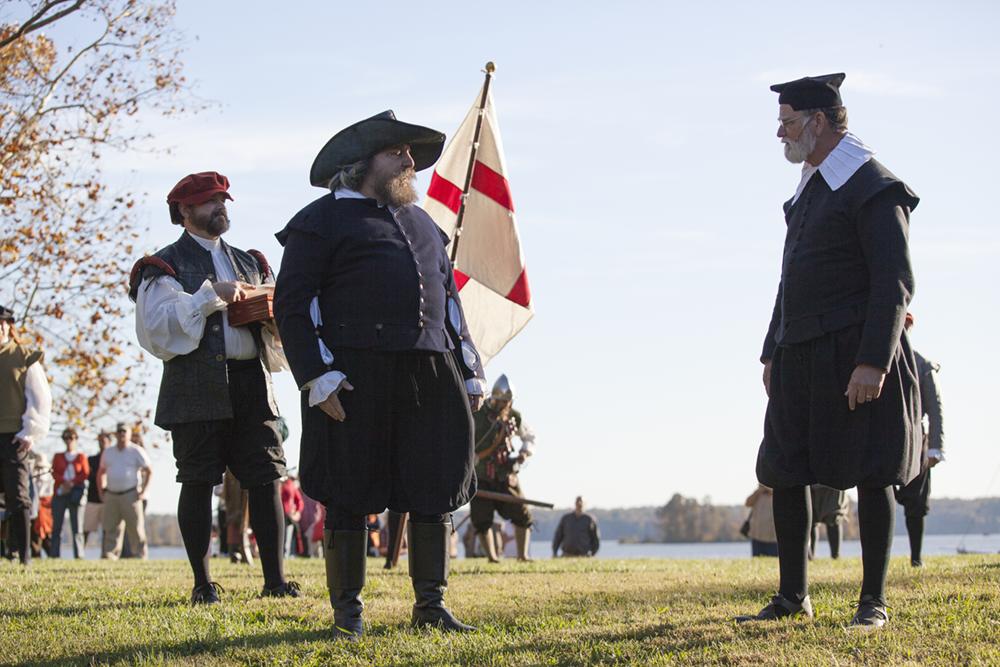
<point x="365" y="138"/>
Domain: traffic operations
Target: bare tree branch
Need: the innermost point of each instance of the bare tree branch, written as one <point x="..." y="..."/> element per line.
<point x="39" y="20"/>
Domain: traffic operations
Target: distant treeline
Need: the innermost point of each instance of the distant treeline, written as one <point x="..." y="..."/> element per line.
<point x="689" y="520"/>
<point x="162" y="531"/>
<point x="684" y="519"/>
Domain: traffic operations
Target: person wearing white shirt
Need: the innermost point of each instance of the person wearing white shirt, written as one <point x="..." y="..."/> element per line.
<point x="123" y="479"/>
<point x="215" y="397"/>
<point x="25" y="407"/>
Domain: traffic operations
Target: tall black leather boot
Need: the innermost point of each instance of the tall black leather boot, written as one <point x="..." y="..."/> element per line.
<point x="345" y="553"/>
<point x="429" y="558"/>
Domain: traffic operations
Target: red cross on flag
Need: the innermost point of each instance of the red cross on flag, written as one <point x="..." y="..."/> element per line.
<point x="485" y="248"/>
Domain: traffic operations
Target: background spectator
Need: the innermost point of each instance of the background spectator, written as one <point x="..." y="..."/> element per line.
<point x="70" y="470"/>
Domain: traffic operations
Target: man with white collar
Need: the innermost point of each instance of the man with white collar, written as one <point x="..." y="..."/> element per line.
<point x="215" y="397"/>
<point x="369" y="311"/>
<point x="844" y="406"/>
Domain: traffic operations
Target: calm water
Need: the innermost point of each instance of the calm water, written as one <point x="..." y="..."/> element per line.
<point x="934" y="545"/>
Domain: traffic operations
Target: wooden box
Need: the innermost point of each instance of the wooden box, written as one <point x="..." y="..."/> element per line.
<point x="258" y="306"/>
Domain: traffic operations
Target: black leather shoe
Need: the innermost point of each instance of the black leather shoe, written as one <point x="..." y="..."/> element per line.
<point x="206" y="593"/>
<point x="288" y="589"/>
<point x="871" y="614"/>
<point x="916" y="562"/>
<point x="780" y="607"/>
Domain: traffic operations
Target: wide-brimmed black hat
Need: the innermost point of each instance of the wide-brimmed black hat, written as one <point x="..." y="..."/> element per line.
<point x="6" y="314"/>
<point x="367" y="137"/>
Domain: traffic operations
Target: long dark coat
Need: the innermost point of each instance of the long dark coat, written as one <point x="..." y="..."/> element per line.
<point x="392" y="318"/>
<point x="845" y="285"/>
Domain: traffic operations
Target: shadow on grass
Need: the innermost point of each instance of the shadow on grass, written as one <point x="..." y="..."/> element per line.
<point x="89" y="607"/>
<point x="191" y="648"/>
<point x="606" y="646"/>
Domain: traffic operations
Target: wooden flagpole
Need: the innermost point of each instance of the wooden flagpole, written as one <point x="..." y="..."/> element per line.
<point x="490" y="68"/>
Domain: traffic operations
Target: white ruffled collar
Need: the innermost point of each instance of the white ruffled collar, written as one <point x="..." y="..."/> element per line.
<point x="838" y="167"/>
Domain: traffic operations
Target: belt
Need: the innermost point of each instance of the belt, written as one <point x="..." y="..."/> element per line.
<point x="243" y="364"/>
<point x="121" y="493"/>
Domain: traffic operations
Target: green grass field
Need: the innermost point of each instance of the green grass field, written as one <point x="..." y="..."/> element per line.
<point x="566" y="612"/>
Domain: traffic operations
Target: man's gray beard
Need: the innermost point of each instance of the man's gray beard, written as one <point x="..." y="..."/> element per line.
<point x="214" y="225"/>
<point x="797" y="151"/>
<point x="398" y="190"/>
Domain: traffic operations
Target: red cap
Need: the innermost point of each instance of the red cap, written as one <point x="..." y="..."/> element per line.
<point x="199" y="188"/>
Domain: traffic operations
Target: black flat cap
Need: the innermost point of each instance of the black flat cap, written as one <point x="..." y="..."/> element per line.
<point x="6" y="314"/>
<point x="811" y="92"/>
<point x="367" y="137"/>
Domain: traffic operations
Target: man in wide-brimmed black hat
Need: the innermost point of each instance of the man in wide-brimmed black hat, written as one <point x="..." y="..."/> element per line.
<point x="843" y="405"/>
<point x="375" y="335"/>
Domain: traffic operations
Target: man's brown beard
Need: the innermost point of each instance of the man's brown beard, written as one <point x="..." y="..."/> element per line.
<point x="213" y="225"/>
<point x="398" y="190"/>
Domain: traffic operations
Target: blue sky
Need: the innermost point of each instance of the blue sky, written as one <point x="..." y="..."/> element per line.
<point x="648" y="182"/>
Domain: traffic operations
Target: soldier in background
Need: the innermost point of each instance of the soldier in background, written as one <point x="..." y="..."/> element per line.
<point x="829" y="507"/>
<point x="915" y="496"/>
<point x="497" y="464"/>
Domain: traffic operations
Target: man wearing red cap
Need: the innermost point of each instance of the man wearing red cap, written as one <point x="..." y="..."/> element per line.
<point x="839" y="372"/>
<point x="215" y="397"/>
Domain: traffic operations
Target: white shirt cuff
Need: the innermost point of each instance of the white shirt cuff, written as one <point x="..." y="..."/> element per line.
<point x="206" y="300"/>
<point x="475" y="387"/>
<point x="321" y="388"/>
<point x="935" y="454"/>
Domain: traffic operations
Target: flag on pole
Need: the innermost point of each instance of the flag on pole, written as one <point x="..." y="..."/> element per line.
<point x="486" y="250"/>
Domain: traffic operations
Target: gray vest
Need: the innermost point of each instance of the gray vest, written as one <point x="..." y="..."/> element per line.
<point x="195" y="386"/>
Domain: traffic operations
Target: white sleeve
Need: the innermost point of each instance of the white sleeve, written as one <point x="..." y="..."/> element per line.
<point x="169" y="321"/>
<point x="527" y="437"/>
<point x="321" y="388"/>
<point x="317" y="318"/>
<point x="38" y="399"/>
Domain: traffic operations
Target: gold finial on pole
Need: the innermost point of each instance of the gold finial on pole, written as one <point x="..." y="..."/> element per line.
<point x="490" y="67"/>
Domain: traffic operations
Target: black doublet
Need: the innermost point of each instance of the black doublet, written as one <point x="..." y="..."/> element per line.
<point x="392" y="318"/>
<point x="845" y="285"/>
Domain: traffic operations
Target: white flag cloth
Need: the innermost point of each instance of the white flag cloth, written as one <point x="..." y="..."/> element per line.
<point x="489" y="268"/>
